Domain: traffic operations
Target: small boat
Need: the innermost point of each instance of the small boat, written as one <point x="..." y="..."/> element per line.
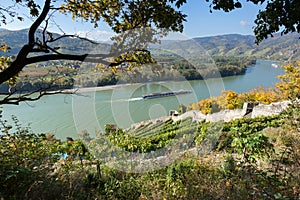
<point x="274" y="65"/>
<point x="165" y="94"/>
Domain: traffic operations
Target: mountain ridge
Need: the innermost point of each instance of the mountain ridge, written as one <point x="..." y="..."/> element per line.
<point x="283" y="48"/>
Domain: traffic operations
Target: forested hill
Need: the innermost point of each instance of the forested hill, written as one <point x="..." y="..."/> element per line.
<point x="16" y="39"/>
<point x="276" y="48"/>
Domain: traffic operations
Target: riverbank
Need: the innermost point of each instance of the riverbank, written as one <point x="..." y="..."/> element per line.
<point x="118" y="86"/>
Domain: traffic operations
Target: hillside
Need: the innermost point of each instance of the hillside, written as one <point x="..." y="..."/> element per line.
<point x="276" y="48"/>
<point x="247" y="158"/>
<point x="16" y="39"/>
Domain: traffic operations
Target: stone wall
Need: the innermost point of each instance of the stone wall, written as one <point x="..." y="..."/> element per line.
<point x="250" y="110"/>
<point x="268" y="110"/>
<point x="225" y="115"/>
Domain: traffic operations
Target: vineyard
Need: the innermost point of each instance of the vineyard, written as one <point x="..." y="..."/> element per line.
<point x="152" y="136"/>
<point x="243" y="136"/>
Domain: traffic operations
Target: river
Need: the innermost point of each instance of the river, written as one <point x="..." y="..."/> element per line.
<point x="66" y="115"/>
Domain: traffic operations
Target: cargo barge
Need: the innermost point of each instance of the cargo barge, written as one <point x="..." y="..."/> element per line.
<point x="165" y="94"/>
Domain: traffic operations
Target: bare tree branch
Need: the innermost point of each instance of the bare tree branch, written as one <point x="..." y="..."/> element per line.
<point x="15" y="97"/>
<point x="72" y="36"/>
<point x="20" y="61"/>
<point x="96" y="58"/>
<point x="21" y="98"/>
<point x="8" y="11"/>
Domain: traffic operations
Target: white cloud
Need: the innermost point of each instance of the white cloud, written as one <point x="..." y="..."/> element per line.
<point x="244" y="23"/>
<point x="176" y="36"/>
<point x="96" y="35"/>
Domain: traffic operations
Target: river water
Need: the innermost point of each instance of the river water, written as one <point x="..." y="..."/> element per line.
<point x="66" y="115"/>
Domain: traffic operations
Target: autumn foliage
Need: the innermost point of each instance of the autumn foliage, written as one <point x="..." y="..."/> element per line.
<point x="288" y="88"/>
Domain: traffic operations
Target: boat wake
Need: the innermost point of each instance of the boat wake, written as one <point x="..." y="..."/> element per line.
<point x="135" y="99"/>
<point x="165" y="94"/>
<point x="131" y="99"/>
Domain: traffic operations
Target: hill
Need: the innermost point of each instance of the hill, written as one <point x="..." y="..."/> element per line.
<point x="16" y="39"/>
<point x="283" y="48"/>
<point x="279" y="47"/>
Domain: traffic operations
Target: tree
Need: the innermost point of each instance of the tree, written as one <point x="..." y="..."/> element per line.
<point x="151" y="16"/>
<point x="121" y="17"/>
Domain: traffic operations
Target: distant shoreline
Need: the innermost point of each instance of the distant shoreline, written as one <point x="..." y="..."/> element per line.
<point x="112" y="87"/>
<point x="98" y="88"/>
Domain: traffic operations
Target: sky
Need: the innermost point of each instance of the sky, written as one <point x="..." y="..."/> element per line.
<point x="200" y="22"/>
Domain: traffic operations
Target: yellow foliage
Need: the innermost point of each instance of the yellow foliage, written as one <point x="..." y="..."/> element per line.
<point x="232" y="99"/>
<point x="194" y="106"/>
<point x="4" y="47"/>
<point x="230" y="106"/>
<point x="205" y="105"/>
<point x="260" y="94"/>
<point x="289" y="87"/>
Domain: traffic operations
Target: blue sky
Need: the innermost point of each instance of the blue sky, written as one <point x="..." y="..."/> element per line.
<point x="200" y="22"/>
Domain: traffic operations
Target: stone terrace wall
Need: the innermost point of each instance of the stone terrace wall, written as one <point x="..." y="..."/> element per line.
<point x="228" y="115"/>
<point x="268" y="110"/>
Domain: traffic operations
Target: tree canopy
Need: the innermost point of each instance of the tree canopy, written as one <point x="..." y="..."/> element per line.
<point x="158" y="16"/>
